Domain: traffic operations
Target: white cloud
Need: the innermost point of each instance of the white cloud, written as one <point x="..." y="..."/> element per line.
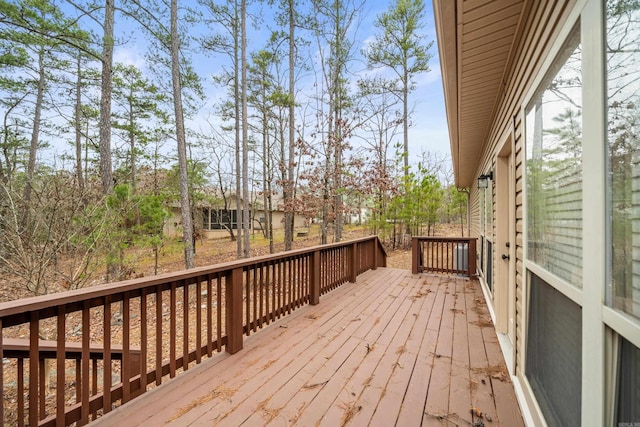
<point x="129" y="56"/>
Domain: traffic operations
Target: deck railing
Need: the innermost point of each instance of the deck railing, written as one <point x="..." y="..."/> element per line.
<point x="111" y="343"/>
<point x="450" y="255"/>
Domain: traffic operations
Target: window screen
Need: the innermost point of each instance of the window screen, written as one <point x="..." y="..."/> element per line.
<point x="554" y="353"/>
<point x="628" y="411"/>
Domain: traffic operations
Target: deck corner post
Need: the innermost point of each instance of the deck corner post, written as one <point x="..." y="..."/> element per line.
<point x="415" y="255"/>
<point x="233" y="302"/>
<point x="353" y="263"/>
<point x="376" y="243"/>
<point x="314" y="279"/>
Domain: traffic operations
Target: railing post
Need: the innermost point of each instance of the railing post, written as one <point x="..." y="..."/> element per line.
<point x="472" y="257"/>
<point x="353" y="261"/>
<point x="233" y="302"/>
<point x="415" y="256"/>
<point x="314" y="278"/>
<point x="376" y="242"/>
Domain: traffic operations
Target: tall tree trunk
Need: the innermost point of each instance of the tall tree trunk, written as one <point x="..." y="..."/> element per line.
<point x="132" y="143"/>
<point x="35" y="136"/>
<point x="78" y="124"/>
<point x="266" y="179"/>
<point x="288" y="202"/>
<point x="245" y="136"/>
<point x="338" y="198"/>
<point x="236" y="96"/>
<point x="187" y="223"/>
<point x="105" y="99"/>
<point x="405" y="120"/>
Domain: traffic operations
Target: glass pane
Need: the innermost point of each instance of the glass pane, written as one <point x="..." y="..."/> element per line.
<point x="554" y="168"/>
<point x="554" y="353"/>
<point x="623" y="119"/>
<point x="482" y="210"/>
<point x="489" y="270"/>
<point x="628" y="410"/>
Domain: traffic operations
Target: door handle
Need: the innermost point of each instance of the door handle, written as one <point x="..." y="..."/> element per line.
<point x="505" y="256"/>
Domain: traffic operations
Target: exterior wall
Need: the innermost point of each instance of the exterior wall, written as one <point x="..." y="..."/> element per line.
<point x="542" y="22"/>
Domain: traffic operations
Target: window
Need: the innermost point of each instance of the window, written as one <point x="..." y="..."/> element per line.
<point x="486" y="233"/>
<point x="554" y="167"/>
<point x="623" y="121"/>
<point x="488" y="270"/>
<point x="219" y="219"/>
<point x="554" y="353"/>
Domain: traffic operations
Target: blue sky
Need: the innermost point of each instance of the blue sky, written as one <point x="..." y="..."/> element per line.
<point x="429" y="130"/>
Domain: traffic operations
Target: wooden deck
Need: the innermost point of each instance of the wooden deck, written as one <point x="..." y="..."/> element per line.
<point x="392" y="349"/>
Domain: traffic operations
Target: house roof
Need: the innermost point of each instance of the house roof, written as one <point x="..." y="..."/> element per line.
<point x="475" y="41"/>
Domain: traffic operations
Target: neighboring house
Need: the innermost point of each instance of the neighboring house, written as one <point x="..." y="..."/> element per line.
<point x="213" y="220"/>
<point x="543" y="107"/>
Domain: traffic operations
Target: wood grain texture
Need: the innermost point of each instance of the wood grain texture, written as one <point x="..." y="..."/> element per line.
<point x="391" y="349"/>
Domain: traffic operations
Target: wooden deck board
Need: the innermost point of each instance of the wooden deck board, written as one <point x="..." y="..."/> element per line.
<point x="480" y="383"/>
<point x="391" y="349"/>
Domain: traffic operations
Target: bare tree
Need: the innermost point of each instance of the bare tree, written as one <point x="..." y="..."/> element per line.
<point x="185" y="206"/>
<point x="106" y="171"/>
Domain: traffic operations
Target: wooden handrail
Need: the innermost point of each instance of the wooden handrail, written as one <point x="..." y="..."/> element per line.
<point x="164" y="324"/>
<point x="47" y="349"/>
<point x="449" y="255"/>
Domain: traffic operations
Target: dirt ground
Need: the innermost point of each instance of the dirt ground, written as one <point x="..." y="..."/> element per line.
<point x="141" y="261"/>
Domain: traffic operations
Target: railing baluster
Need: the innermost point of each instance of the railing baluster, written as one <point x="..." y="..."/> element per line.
<point x="185" y="325"/>
<point x="34" y="330"/>
<point x="198" y="320"/>
<point x="278" y="283"/>
<point x="246" y="285"/>
<point x="289" y="284"/>
<point x="126" y="347"/>
<point x="143" y="341"/>
<point x="159" y="340"/>
<point x="219" y="312"/>
<point x="94" y="383"/>
<point x="294" y="283"/>
<point x="300" y="280"/>
<point x="209" y="317"/>
<point x="42" y="391"/>
<point x="20" y="396"/>
<point x="106" y="363"/>
<point x="78" y="380"/>
<point x="272" y="285"/>
<point x="86" y="336"/>
<point x="60" y="365"/>
<point x="172" y="331"/>
<point x="255" y="298"/>
<point x="262" y="295"/>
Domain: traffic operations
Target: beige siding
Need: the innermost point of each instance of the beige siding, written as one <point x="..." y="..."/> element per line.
<point x="542" y="21"/>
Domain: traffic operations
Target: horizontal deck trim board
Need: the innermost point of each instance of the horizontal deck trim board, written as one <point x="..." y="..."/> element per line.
<point x="380" y="351"/>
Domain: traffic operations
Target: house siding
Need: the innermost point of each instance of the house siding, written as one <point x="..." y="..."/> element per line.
<point x="542" y="21"/>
